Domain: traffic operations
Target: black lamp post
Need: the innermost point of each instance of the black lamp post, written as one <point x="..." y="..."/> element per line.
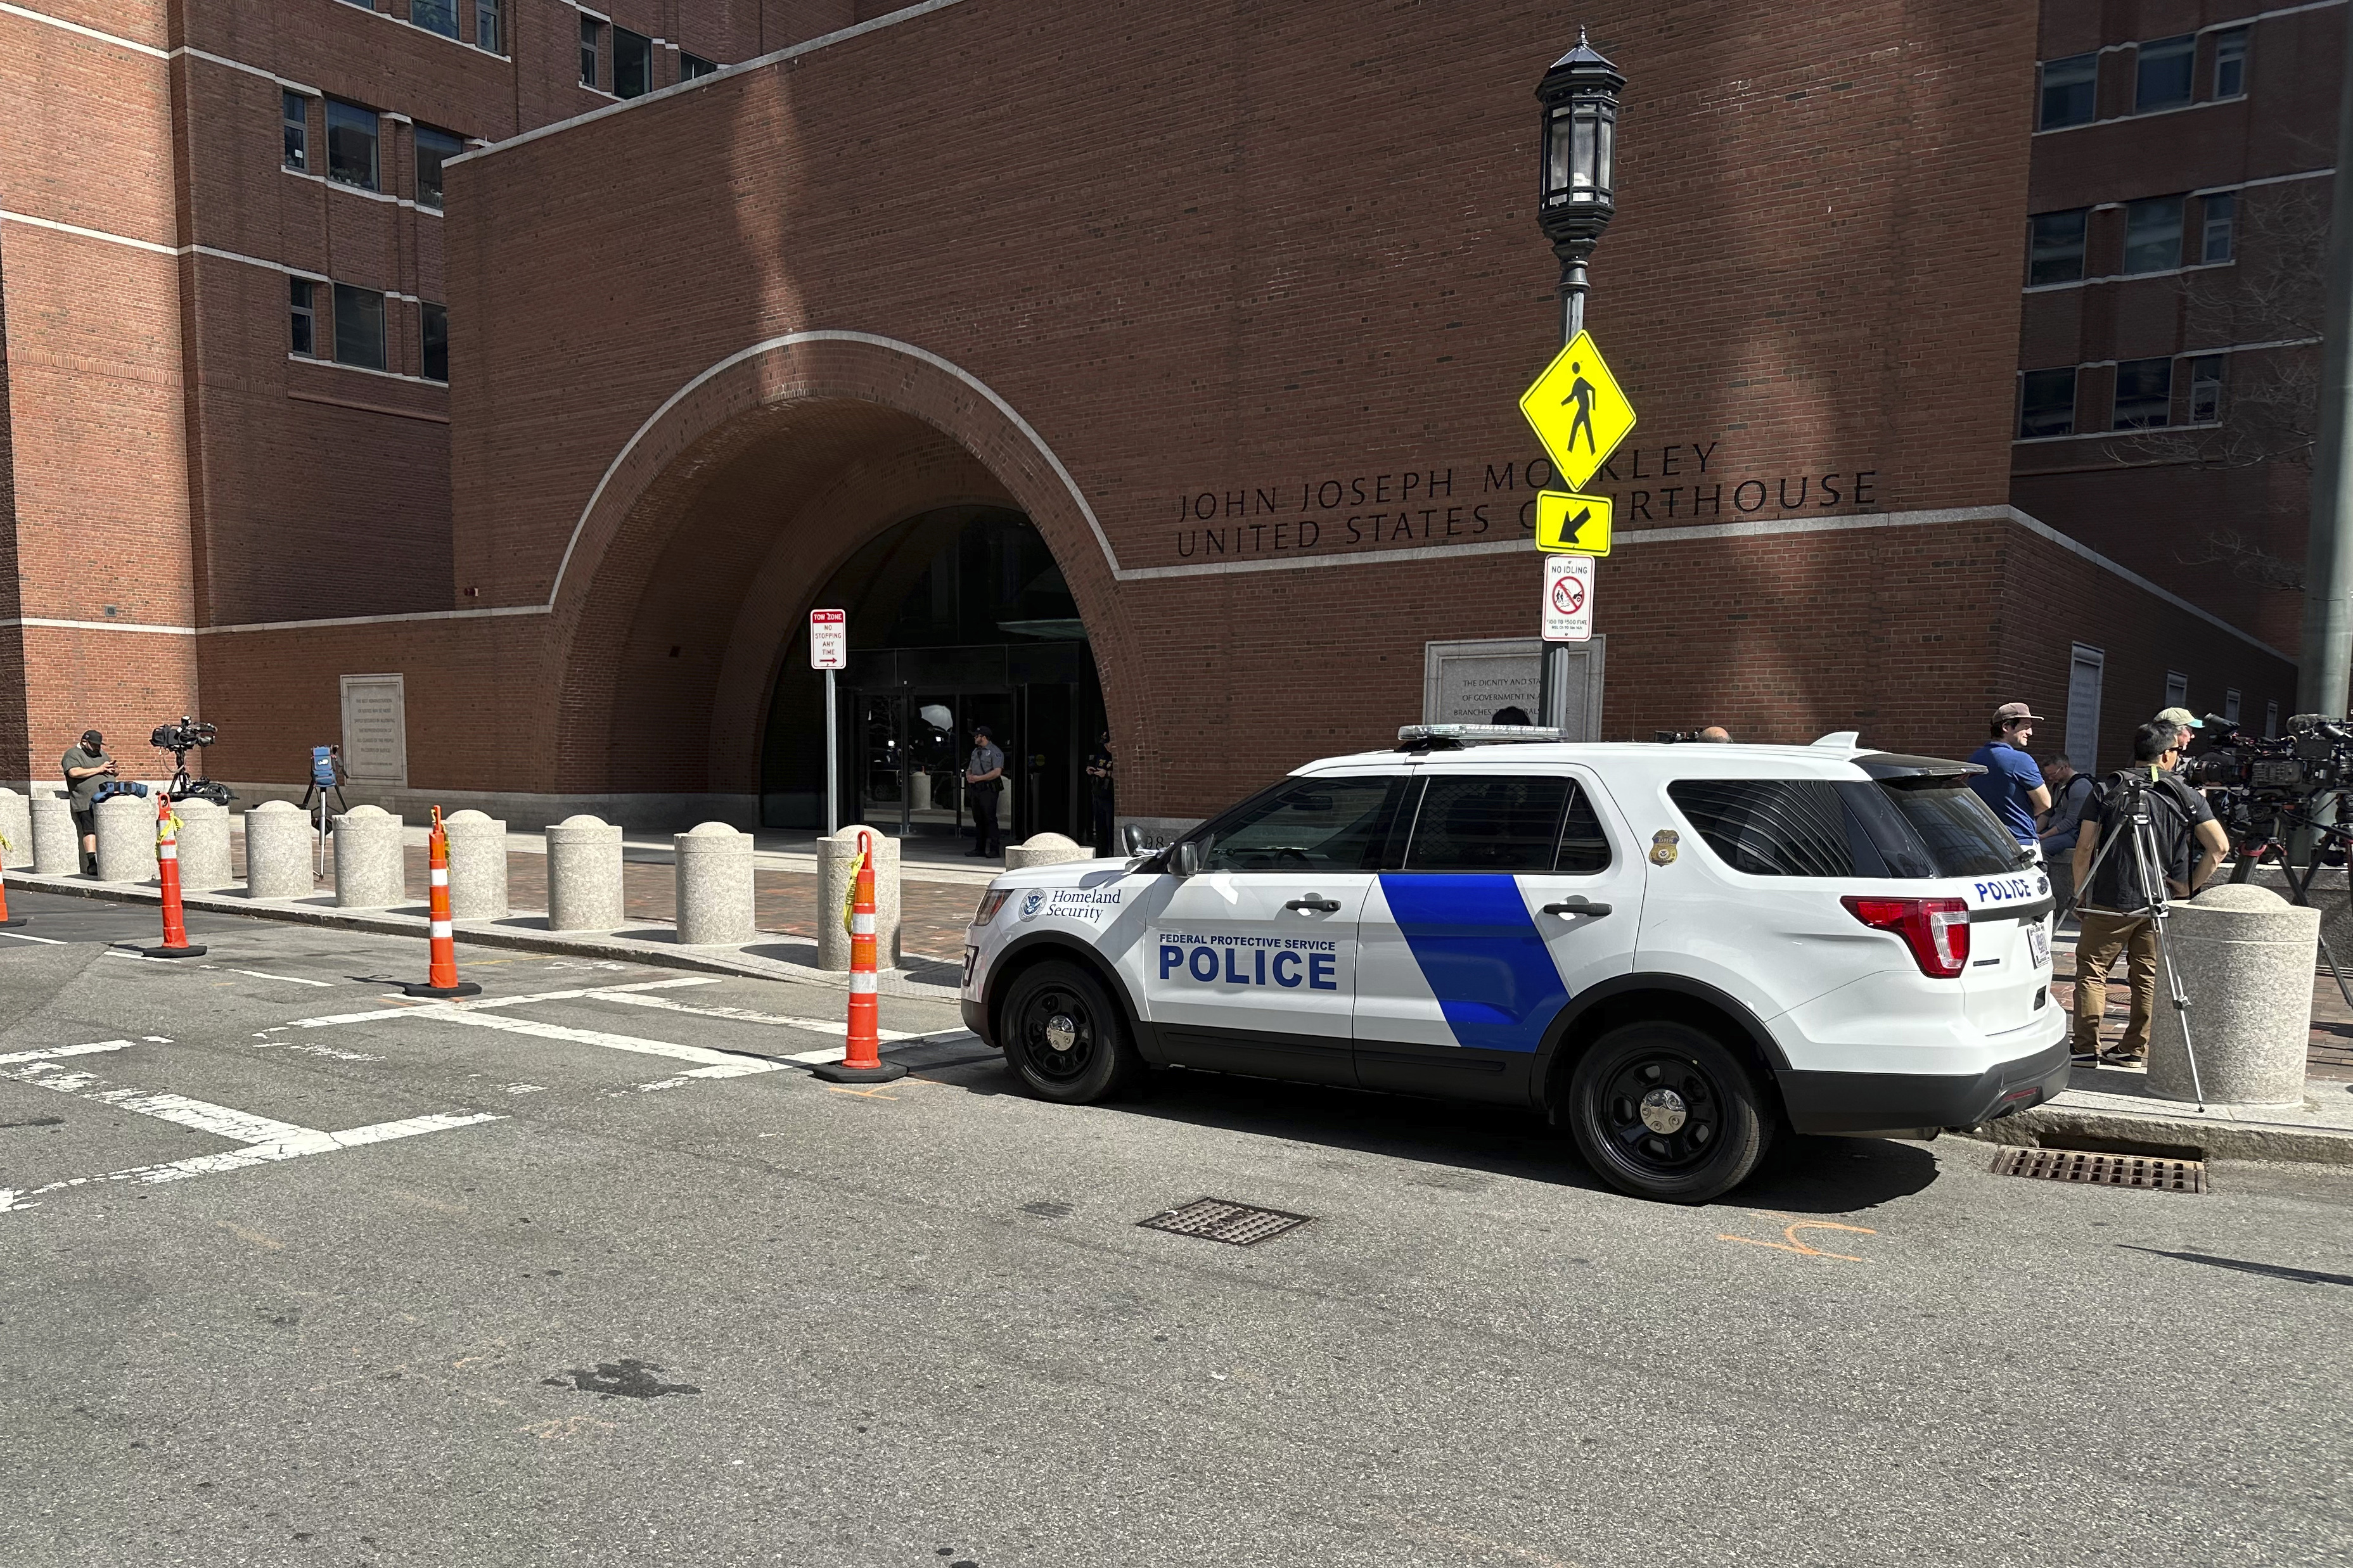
<point x="1579" y="146"/>
<point x="1579" y="143"/>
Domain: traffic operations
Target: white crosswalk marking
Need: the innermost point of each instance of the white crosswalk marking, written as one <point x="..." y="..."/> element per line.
<point x="745" y="1016"/>
<point x="481" y="1004"/>
<point x="308" y="1142"/>
<point x="716" y="1064"/>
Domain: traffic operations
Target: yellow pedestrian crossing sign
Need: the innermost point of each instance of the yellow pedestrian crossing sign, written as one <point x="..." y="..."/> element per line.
<point x="1572" y="524"/>
<point x="1578" y="412"/>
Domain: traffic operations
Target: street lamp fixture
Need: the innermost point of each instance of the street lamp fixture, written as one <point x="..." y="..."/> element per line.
<point x="1579" y="143"/>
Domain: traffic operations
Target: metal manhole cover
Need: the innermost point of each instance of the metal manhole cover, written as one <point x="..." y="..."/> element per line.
<point x="2103" y="1170"/>
<point x="1221" y="1219"/>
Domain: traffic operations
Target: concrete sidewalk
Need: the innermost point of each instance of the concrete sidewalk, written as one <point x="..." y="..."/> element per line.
<point x="2113" y="1106"/>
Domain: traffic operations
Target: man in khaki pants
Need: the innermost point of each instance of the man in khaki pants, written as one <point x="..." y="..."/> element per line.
<point x="2108" y="905"/>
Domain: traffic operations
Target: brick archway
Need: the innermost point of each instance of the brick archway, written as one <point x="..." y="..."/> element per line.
<point x="691" y="565"/>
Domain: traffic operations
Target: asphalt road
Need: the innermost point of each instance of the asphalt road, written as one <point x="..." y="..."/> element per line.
<point x="293" y="1273"/>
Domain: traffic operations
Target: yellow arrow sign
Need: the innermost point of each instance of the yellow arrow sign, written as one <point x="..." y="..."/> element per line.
<point x="1572" y="524"/>
<point x="1578" y="412"/>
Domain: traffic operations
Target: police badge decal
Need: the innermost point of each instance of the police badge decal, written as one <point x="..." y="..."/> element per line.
<point x="1662" y="846"/>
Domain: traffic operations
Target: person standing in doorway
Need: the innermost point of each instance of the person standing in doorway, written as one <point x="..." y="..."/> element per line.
<point x="1099" y="777"/>
<point x="86" y="767"/>
<point x="2069" y="791"/>
<point x="984" y="780"/>
<point x="2011" y="783"/>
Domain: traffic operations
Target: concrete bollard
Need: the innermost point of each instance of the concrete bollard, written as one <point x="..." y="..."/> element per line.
<point x="2326" y="894"/>
<point x="56" y="842"/>
<point x="278" y="848"/>
<point x="714" y="885"/>
<point x="583" y="875"/>
<point x="204" y="846"/>
<point x="126" y="838"/>
<point x="1045" y="849"/>
<point x="16" y="827"/>
<point x="2245" y="955"/>
<point x="478" y="865"/>
<point x="370" y="868"/>
<point x="837" y="868"/>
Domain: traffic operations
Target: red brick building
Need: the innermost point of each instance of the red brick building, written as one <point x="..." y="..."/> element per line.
<point x="1151" y="363"/>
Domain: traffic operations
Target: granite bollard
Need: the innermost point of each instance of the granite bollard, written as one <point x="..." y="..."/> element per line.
<point x="204" y="846"/>
<point x="2326" y="892"/>
<point x="2245" y="957"/>
<point x="713" y="863"/>
<point x="16" y="827"/>
<point x="478" y="865"/>
<point x="370" y="871"/>
<point x="837" y="868"/>
<point x="126" y="838"/>
<point x="278" y="851"/>
<point x="1045" y="849"/>
<point x="583" y="875"/>
<point x="56" y="842"/>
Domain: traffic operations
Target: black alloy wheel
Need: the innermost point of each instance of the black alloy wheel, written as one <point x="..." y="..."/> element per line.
<point x="1663" y="1111"/>
<point x="1064" y="1036"/>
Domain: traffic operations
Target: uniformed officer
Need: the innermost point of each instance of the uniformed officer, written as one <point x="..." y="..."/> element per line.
<point x="1099" y="770"/>
<point x="984" y="779"/>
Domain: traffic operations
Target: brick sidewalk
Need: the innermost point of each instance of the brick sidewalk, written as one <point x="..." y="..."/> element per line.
<point x="933" y="914"/>
<point x="2329" y="1054"/>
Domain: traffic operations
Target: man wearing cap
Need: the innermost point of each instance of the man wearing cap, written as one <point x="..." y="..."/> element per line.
<point x="2183" y="721"/>
<point x="2011" y="783"/>
<point x="86" y="767"/>
<point x="984" y="777"/>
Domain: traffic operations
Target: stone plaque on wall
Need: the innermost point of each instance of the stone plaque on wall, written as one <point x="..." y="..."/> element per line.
<point x="376" y="729"/>
<point x="1465" y="682"/>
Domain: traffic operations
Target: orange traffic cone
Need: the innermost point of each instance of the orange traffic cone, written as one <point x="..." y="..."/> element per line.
<point x="441" y="972"/>
<point x="167" y="864"/>
<point x="5" y="918"/>
<point x="862" y="1063"/>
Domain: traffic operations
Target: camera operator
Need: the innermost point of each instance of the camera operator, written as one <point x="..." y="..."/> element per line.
<point x="2113" y="905"/>
<point x="87" y="766"/>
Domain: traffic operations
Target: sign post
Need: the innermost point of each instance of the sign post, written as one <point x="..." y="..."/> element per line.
<point x="1579" y="412"/>
<point x="829" y="651"/>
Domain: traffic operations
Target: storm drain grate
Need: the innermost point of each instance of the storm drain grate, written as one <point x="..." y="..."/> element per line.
<point x="2103" y="1170"/>
<point x="1221" y="1219"/>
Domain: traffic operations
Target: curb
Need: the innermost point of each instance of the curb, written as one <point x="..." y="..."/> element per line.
<point x="491" y="933"/>
<point x="2061" y="1126"/>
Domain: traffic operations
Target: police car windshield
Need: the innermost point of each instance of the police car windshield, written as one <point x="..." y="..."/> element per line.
<point x="1319" y="824"/>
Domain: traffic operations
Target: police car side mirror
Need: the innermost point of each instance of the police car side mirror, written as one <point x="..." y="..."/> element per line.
<point x="1185" y="859"/>
<point x="1131" y="836"/>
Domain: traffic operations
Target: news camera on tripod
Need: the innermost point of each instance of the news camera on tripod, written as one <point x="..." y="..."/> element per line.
<point x="2133" y="858"/>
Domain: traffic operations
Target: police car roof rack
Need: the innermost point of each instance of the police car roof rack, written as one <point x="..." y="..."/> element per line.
<point x="1454" y="737"/>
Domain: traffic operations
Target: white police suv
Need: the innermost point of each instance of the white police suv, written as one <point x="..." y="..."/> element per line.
<point x="1674" y="948"/>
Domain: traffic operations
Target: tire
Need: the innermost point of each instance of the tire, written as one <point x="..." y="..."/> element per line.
<point x="1065" y="1038"/>
<point x="1708" y="1128"/>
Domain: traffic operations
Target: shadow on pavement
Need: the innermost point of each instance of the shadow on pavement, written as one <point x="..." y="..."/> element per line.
<point x="2269" y="1270"/>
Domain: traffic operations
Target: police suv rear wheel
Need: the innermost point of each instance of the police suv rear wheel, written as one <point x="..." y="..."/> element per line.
<point x="1663" y="1111"/>
<point x="1066" y="1038"/>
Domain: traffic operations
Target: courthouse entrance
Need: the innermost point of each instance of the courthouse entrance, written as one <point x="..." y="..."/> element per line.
<point x="957" y="618"/>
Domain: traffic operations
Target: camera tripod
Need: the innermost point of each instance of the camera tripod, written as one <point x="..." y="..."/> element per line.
<point x="182" y="787"/>
<point x="2132" y="805"/>
<point x="2272" y="845"/>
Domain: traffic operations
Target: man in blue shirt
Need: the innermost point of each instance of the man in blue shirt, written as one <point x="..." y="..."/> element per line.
<point x="2011" y="783"/>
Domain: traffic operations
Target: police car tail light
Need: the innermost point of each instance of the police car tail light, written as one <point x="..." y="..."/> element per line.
<point x="1936" y="930"/>
<point x="990" y="902"/>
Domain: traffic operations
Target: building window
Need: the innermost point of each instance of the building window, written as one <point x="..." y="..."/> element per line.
<point x="486" y="26"/>
<point x="295" y="110"/>
<point x="692" y="66"/>
<point x="2214" y="237"/>
<point x="2176" y="690"/>
<point x="302" y="302"/>
<point x="2153" y="235"/>
<point x="2144" y="394"/>
<point x="2046" y="403"/>
<point x="351" y="144"/>
<point x="633" y="64"/>
<point x="2162" y="80"/>
<point x="2231" y="62"/>
<point x="2271" y="718"/>
<point x="592" y="43"/>
<point x="436" y="320"/>
<point x="2071" y="91"/>
<point x="435" y="15"/>
<point x="433" y="149"/>
<point x="2054" y="251"/>
<point x="359" y="327"/>
<point x="2229" y="706"/>
<point x="2206" y="390"/>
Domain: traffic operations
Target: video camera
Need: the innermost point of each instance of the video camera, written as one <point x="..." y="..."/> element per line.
<point x="2259" y="784"/>
<point x="1673" y="737"/>
<point x="182" y="737"/>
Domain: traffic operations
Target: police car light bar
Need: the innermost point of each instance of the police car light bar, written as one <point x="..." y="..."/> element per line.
<point x="1411" y="737"/>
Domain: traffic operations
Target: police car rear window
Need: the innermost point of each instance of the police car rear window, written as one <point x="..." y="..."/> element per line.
<point x="1906" y="828"/>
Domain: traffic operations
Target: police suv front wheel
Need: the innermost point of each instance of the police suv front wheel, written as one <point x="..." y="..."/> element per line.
<point x="1066" y="1038"/>
<point x="1663" y="1111"/>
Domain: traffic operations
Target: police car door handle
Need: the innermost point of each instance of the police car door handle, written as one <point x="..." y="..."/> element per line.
<point x="1577" y="907"/>
<point x="1314" y="902"/>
